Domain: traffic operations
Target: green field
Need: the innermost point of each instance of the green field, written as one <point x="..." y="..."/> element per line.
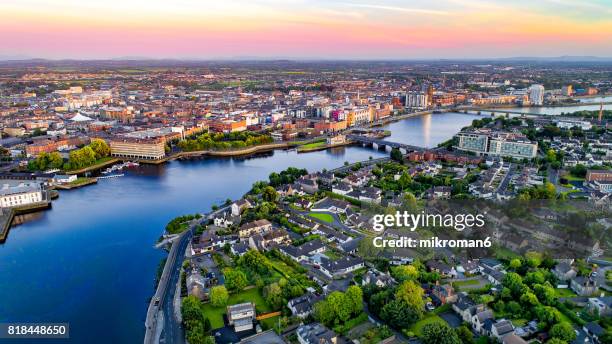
<point x="564" y="293"/>
<point x="314" y="145"/>
<point x="215" y="314"/>
<point x="322" y="216"/>
<point x="466" y="283"/>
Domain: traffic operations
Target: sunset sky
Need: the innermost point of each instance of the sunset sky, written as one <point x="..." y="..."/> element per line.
<point x="343" y="29"/>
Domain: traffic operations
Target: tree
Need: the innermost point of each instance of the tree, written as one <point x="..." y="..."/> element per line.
<point x="269" y="194"/>
<point x="556" y="341"/>
<point x="398" y="314"/>
<point x="235" y="280"/>
<point x="465" y="335"/>
<point x="404" y="272"/>
<point x="218" y="296"/>
<point x="439" y="333"/>
<point x="563" y="331"/>
<point x="404" y="181"/>
<point x="515" y="264"/>
<point x="410" y="202"/>
<point x="529" y="299"/>
<point x="412" y="294"/>
<point x="514" y="282"/>
<point x="323" y="313"/>
<point x="100" y="148"/>
<point x="354" y="295"/>
<point x="273" y="295"/>
<point x="340" y="305"/>
<point x="397" y="155"/>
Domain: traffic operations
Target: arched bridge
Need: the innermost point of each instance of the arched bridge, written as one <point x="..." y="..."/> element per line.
<point x="388" y="145"/>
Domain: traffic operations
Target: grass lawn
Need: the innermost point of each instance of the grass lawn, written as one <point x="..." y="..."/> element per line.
<point x="519" y="322"/>
<point x="467" y="282"/>
<point x="314" y="145"/>
<point x="215" y="314"/>
<point x="569" y="177"/>
<point x="323" y="217"/>
<point x="564" y="293"/>
<point x="428" y="319"/>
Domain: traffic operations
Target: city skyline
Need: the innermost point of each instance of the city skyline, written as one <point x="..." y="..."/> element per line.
<point x="298" y="29"/>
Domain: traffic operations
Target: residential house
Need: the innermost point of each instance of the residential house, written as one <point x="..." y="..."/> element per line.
<point x="564" y="271"/>
<point x="342" y="188"/>
<point x="239" y="206"/>
<point x="254" y="227"/>
<point x="584" y="286"/>
<point x="241" y="316"/>
<point x="442" y="294"/>
<point x="308" y="185"/>
<point x="600" y="305"/>
<point x="502" y="328"/>
<point x="316" y="334"/>
<point x="302" y="252"/>
<point x="479" y="319"/>
<point x="303" y="306"/>
<point x="442" y="268"/>
<point x="331" y="205"/>
<point x="377" y="278"/>
<point x="340" y="266"/>
<point x="512" y="338"/>
<point x="594" y="331"/>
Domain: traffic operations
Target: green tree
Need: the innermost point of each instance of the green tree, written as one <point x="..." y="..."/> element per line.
<point x="404" y="272"/>
<point x="398" y="314"/>
<point x="397" y="155"/>
<point x="515" y="264"/>
<point x="340" y="305"/>
<point x="324" y="313"/>
<point x="556" y="341"/>
<point x="235" y="280"/>
<point x="218" y="296"/>
<point x="563" y="331"/>
<point x="412" y="294"/>
<point x="465" y="335"/>
<point x="100" y="148"/>
<point x="354" y="295"/>
<point x="273" y="295"/>
<point x="439" y="333"/>
<point x="269" y="194"/>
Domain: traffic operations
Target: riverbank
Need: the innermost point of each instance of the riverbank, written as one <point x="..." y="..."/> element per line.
<point x="7" y="216"/>
<point x="95" y="167"/>
<point x="80" y="182"/>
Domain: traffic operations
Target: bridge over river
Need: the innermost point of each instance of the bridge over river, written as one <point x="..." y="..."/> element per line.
<point x="377" y="143"/>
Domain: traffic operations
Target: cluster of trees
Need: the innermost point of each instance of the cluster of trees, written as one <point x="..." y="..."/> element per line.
<point x="339" y="307"/>
<point x="87" y="155"/>
<point x="279" y="293"/>
<point x="287" y="176"/>
<point x="222" y="141"/>
<point x="529" y="292"/>
<point x="197" y="326"/>
<point x="46" y="161"/>
<point x="177" y="225"/>
<point x="399" y="307"/>
<point x="546" y="191"/>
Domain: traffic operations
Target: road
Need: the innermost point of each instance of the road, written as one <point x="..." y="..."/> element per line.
<point x="166" y="289"/>
<point x="173" y="330"/>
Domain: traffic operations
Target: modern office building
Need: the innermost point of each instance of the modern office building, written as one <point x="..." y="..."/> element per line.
<point x="417" y="100"/>
<point x="138" y="148"/>
<point x="536" y="94"/>
<point x="497" y="143"/>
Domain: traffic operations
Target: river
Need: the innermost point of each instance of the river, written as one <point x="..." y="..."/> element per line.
<point x="90" y="261"/>
<point x="589" y="104"/>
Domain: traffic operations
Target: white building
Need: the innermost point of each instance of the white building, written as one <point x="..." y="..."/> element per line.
<point x="416" y="100"/>
<point x="536" y="94"/>
<point x="13" y="194"/>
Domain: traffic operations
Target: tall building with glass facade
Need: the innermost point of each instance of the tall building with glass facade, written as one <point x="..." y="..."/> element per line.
<point x="497" y="144"/>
